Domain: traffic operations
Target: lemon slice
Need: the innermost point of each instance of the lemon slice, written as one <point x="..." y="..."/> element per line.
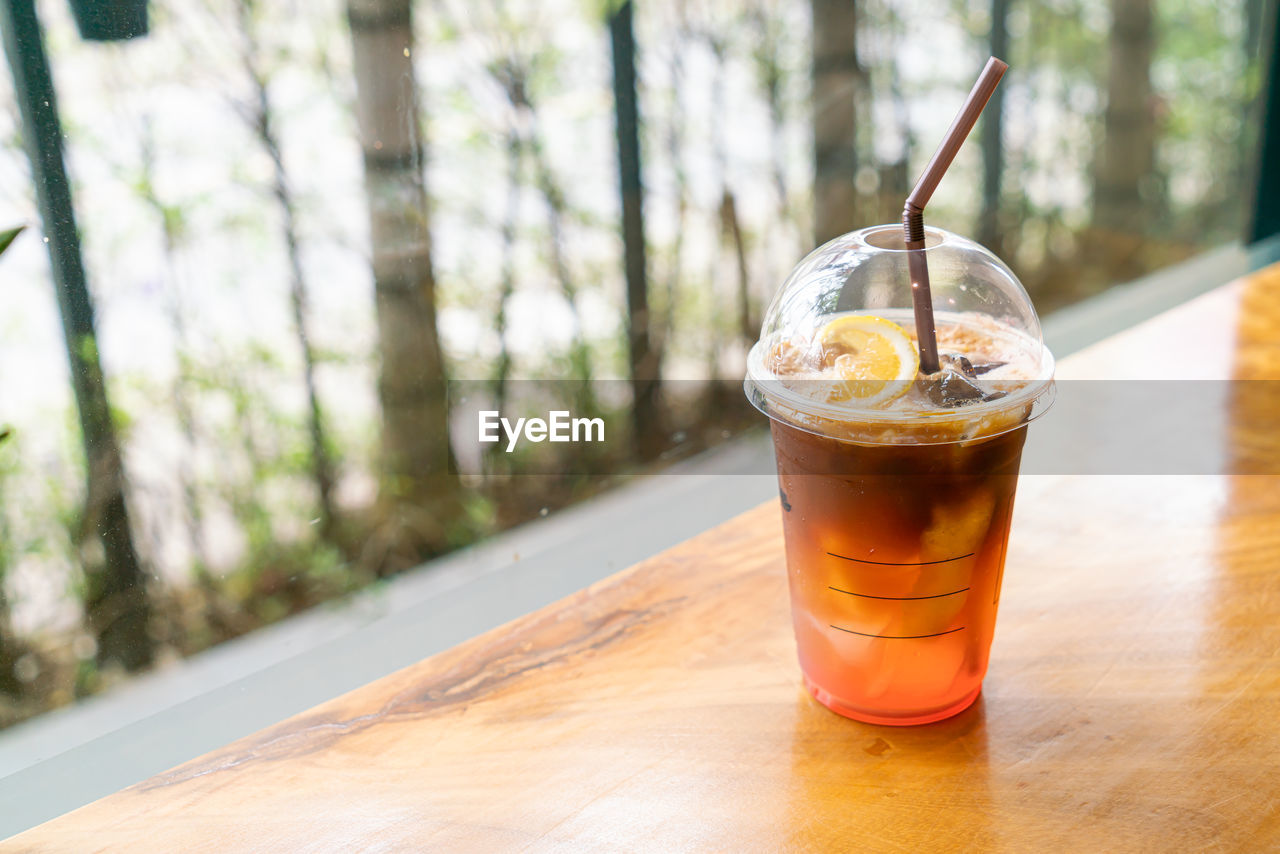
<point x="873" y="356"/>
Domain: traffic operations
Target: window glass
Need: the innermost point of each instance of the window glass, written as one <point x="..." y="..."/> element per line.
<point x="320" y="238"/>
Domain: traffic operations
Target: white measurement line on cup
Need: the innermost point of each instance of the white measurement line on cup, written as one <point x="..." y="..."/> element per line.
<point x="898" y="637"/>
<point x="891" y="563"/>
<point x="899" y="598"/>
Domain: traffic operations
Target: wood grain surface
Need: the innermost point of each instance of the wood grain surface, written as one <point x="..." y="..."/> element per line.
<point x="1132" y="702"/>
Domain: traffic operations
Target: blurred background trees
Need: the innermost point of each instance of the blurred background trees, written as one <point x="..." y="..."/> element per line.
<point x="419" y="505"/>
<point x="316" y="236"/>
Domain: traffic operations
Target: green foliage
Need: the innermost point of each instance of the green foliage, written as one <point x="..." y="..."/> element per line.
<point x="87" y="349"/>
<point x="8" y="236"/>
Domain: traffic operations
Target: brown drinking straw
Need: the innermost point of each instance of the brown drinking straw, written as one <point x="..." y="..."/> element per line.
<point x="913" y="211"/>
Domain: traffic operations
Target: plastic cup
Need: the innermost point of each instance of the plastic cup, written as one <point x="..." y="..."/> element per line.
<point x="897" y="519"/>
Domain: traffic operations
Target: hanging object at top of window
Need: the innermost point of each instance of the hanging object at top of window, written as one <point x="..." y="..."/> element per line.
<point x="110" y="20"/>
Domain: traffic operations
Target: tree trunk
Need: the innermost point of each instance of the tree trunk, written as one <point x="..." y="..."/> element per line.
<point x="419" y="493"/>
<point x="261" y="118"/>
<point x="992" y="139"/>
<point x="1126" y="158"/>
<point x="641" y="356"/>
<point x="839" y="82"/>
<point x="499" y="460"/>
<point x="718" y="326"/>
<point x="777" y="239"/>
<point x="893" y="175"/>
<point x="664" y="321"/>
<point x="525" y="135"/>
<point x="728" y="326"/>
<point x="731" y="229"/>
<point x="583" y="396"/>
<point x="772" y="76"/>
<point x="322" y="466"/>
<point x="116" y="603"/>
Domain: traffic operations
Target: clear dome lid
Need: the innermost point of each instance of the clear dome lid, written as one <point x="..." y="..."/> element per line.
<point x="981" y="311"/>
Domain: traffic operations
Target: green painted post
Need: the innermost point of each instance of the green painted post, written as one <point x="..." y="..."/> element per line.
<point x="1266" y="199"/>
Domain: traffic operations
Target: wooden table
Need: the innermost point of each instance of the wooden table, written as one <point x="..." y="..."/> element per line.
<point x="1132" y="704"/>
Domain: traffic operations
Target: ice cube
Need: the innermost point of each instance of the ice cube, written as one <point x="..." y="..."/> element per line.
<point x="962" y="364"/>
<point x="958" y="525"/>
<point x="948" y="388"/>
<point x="953" y="384"/>
<point x="957" y="363"/>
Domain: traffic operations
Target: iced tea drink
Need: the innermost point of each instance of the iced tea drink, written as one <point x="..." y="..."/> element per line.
<point x="897" y="486"/>
<point x="896" y="520"/>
